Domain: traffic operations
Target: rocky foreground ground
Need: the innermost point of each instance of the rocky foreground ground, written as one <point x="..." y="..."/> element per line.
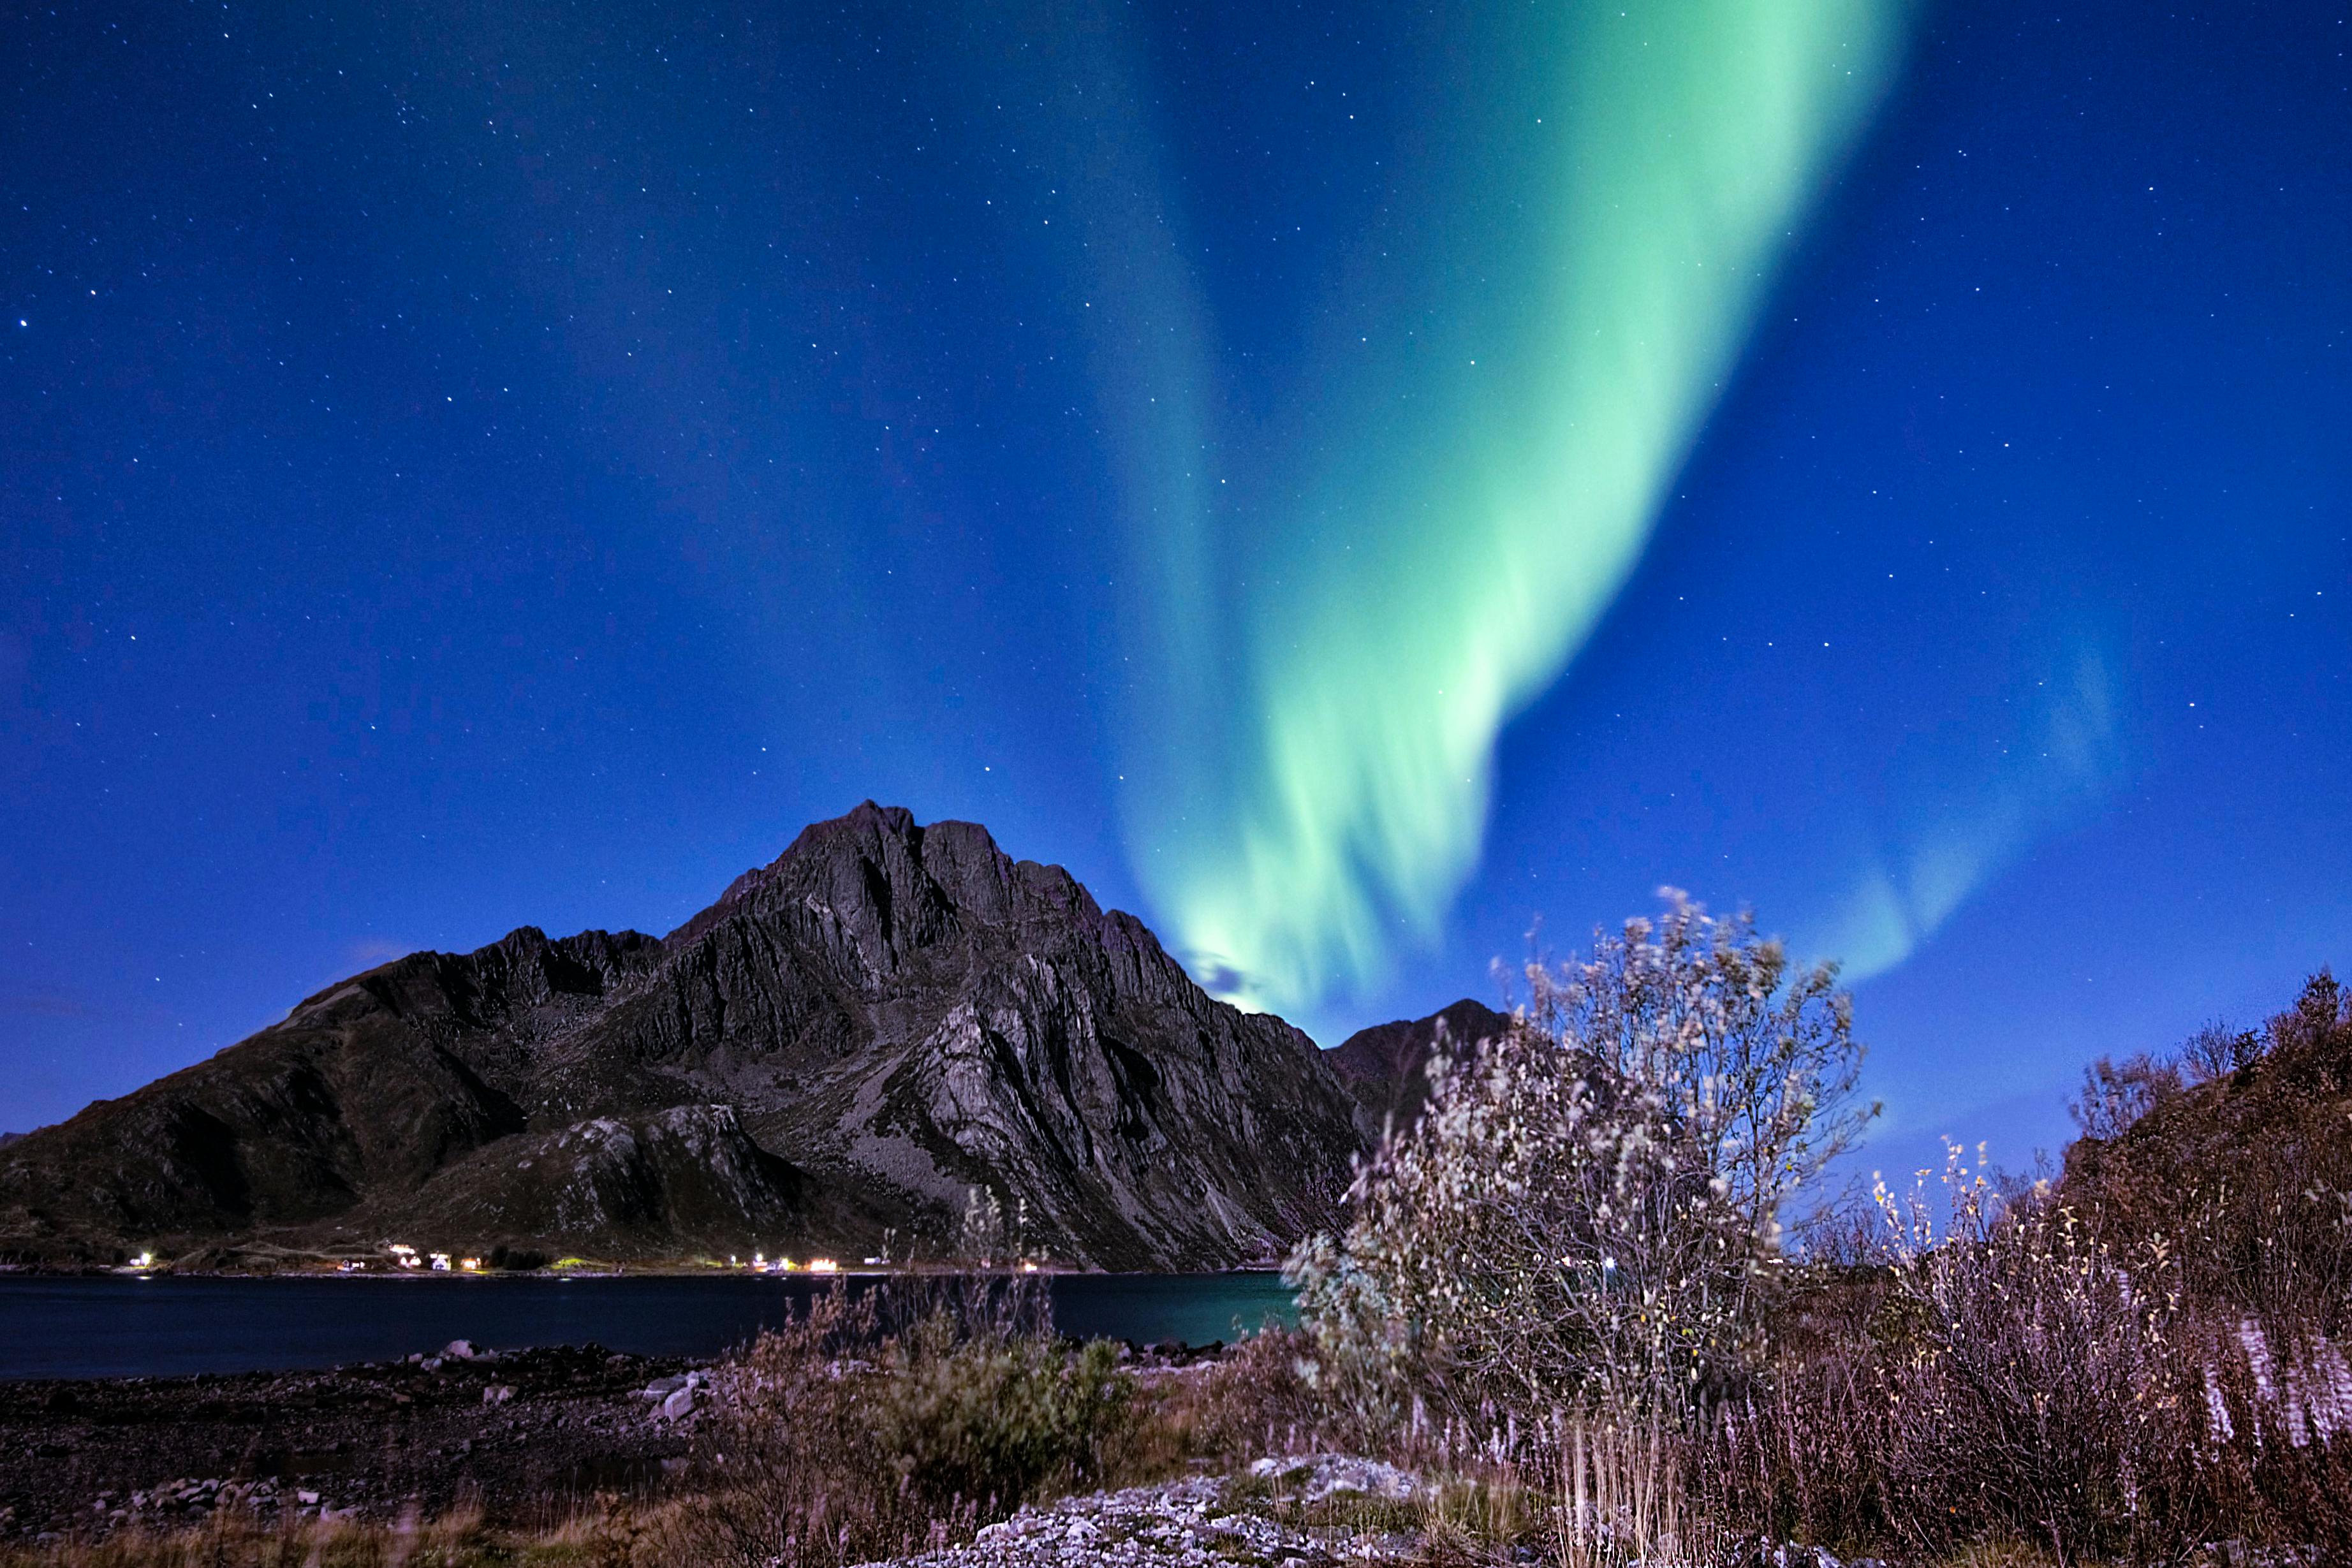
<point x="1283" y="1513"/>
<point x="528" y="1435"/>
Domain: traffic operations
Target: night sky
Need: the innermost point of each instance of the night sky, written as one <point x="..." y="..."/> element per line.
<point x="1349" y="481"/>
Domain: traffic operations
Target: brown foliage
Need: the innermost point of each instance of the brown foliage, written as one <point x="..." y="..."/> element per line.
<point x="2247" y="1172"/>
<point x="2144" y="1357"/>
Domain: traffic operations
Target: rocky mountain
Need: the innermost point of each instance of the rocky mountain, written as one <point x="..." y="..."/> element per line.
<point x="1386" y="1067"/>
<point x="893" y="1036"/>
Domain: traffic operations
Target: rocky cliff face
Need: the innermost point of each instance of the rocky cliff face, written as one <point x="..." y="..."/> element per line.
<point x="894" y="1035"/>
<point x="1386" y="1067"/>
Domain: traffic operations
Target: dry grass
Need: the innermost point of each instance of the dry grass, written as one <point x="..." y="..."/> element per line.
<point x="1221" y="1415"/>
<point x="2140" y="1361"/>
<point x="238" y="1540"/>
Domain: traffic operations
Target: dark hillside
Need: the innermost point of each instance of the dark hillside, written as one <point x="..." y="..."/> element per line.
<point x="1386" y="1067"/>
<point x="894" y="1035"/>
<point x="2240" y="1147"/>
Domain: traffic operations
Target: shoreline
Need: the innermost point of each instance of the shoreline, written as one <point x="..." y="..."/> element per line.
<point x="619" y="1270"/>
<point x="111" y="1326"/>
<point x="529" y="1436"/>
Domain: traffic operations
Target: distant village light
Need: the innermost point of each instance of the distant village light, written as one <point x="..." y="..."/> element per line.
<point x="823" y="1266"/>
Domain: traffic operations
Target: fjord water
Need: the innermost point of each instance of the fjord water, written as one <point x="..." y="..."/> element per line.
<point x="116" y="1326"/>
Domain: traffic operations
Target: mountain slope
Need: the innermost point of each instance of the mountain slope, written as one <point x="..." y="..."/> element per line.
<point x="1386" y="1066"/>
<point x="851" y="1043"/>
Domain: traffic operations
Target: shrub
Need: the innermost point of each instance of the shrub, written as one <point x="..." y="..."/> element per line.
<point x="2116" y="1095"/>
<point x="2024" y="1372"/>
<point x="1250" y="1402"/>
<point x="996" y="1419"/>
<point x="1585" y="1213"/>
<point x="2034" y="1385"/>
<point x="895" y="1421"/>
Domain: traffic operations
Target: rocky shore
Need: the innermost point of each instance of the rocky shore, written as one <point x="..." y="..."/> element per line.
<point x="526" y="1434"/>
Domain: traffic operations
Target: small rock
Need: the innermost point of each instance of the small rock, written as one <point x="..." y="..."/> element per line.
<point x="498" y="1394"/>
<point x="679" y="1406"/>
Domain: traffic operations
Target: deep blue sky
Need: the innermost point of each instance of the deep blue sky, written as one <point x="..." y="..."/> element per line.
<point x="463" y="466"/>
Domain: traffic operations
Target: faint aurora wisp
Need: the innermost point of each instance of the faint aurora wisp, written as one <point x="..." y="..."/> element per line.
<point x="1312" y="789"/>
<point x="1950" y="834"/>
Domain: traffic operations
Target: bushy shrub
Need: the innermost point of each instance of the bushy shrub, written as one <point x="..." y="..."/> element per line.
<point x="997" y="1419"/>
<point x="2034" y="1386"/>
<point x="2116" y="1095"/>
<point x="1573" y="1256"/>
<point x="893" y="1421"/>
<point x="1585" y="1213"/>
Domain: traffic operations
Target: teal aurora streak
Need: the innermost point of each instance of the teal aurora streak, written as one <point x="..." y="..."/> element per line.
<point x="1311" y="764"/>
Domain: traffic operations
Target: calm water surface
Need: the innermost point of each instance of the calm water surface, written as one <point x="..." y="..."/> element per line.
<point x="122" y="1327"/>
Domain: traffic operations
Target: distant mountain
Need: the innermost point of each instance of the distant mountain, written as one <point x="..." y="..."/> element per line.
<point x="1386" y="1067"/>
<point x="8" y="1138"/>
<point x="892" y="1034"/>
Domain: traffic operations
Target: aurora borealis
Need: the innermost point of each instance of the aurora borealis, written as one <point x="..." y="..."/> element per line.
<point x="1367" y="488"/>
<point x="1456" y="534"/>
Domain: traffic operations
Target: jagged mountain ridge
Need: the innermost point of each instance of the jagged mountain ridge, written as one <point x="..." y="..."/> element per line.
<point x="855" y="1037"/>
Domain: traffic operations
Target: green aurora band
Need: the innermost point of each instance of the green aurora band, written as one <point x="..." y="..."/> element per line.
<point x="1310" y="764"/>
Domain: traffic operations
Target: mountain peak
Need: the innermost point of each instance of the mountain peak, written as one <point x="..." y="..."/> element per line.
<point x="885" y="1025"/>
